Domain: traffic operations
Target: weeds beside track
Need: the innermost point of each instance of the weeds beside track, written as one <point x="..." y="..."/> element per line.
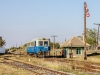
<point x="38" y="70"/>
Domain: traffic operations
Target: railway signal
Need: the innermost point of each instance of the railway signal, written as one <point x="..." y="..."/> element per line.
<point x="86" y="14"/>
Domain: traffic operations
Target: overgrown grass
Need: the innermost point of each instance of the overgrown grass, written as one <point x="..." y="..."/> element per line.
<point x="95" y="59"/>
<point x="60" y="66"/>
<point x="11" y="70"/>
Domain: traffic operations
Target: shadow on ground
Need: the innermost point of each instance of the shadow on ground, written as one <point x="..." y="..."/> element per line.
<point x="53" y="57"/>
<point x="93" y="54"/>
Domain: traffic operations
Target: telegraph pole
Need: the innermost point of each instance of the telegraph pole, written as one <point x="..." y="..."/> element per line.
<point x="97" y="34"/>
<point x="16" y="46"/>
<point x="85" y="55"/>
<point x="65" y="39"/>
<point x="21" y="48"/>
<point x="13" y="47"/>
<point x="86" y="14"/>
<point x="53" y="41"/>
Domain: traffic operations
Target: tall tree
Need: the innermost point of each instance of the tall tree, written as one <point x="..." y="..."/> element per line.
<point x="2" y="42"/>
<point x="91" y="36"/>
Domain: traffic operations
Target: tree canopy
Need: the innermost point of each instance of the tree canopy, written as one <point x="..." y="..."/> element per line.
<point x="56" y="45"/>
<point x="2" y="42"/>
<point x="91" y="36"/>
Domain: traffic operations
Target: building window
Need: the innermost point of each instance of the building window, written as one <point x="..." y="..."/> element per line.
<point x="78" y="51"/>
<point x="28" y="44"/>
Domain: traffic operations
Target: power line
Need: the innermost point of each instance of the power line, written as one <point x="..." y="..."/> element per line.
<point x="71" y="33"/>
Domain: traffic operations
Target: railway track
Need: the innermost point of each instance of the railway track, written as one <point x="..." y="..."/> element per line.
<point x="38" y="70"/>
<point x="77" y="65"/>
<point x="82" y="65"/>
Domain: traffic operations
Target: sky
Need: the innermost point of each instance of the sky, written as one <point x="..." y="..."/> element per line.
<point x="24" y="20"/>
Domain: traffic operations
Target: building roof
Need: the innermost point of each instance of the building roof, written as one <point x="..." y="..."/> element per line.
<point x="74" y="42"/>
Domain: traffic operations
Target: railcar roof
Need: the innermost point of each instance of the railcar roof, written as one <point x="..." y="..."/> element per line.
<point x="41" y="39"/>
<point x="28" y="41"/>
<point x="38" y="39"/>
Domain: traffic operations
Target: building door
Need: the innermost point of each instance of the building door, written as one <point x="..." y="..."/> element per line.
<point x="66" y="51"/>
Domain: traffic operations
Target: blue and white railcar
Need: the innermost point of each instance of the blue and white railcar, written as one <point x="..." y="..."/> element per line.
<point x="38" y="45"/>
<point x="2" y="50"/>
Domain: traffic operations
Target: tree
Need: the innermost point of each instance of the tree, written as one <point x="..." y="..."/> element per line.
<point x="2" y="42"/>
<point x="25" y="45"/>
<point x="91" y="35"/>
<point x="56" y="45"/>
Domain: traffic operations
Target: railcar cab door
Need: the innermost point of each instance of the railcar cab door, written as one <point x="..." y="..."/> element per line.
<point x="35" y="46"/>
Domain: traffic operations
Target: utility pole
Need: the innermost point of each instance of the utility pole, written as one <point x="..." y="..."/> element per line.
<point x="85" y="55"/>
<point x="13" y="47"/>
<point x="16" y="46"/>
<point x="21" y="48"/>
<point x="86" y="14"/>
<point x="53" y="41"/>
<point x="65" y="39"/>
<point x="97" y="35"/>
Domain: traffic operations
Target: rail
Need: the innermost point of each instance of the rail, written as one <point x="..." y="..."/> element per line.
<point x="39" y="70"/>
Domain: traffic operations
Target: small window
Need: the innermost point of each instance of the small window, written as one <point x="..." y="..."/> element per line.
<point x="32" y="43"/>
<point x="28" y="44"/>
<point x="78" y="51"/>
<point x="40" y="43"/>
<point x="45" y="43"/>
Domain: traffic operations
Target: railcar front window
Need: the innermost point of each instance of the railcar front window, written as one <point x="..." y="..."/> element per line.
<point x="40" y="43"/>
<point x="45" y="43"/>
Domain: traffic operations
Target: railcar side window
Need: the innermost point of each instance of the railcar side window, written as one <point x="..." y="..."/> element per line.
<point x="40" y="43"/>
<point x="32" y="43"/>
<point x="45" y="43"/>
<point x="28" y="44"/>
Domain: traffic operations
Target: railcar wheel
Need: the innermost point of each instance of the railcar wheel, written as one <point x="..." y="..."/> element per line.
<point x="36" y="55"/>
<point x="27" y="53"/>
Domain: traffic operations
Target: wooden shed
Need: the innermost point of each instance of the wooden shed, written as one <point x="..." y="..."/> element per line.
<point x="74" y="46"/>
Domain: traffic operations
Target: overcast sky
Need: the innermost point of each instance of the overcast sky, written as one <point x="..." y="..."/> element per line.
<point x="23" y="20"/>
